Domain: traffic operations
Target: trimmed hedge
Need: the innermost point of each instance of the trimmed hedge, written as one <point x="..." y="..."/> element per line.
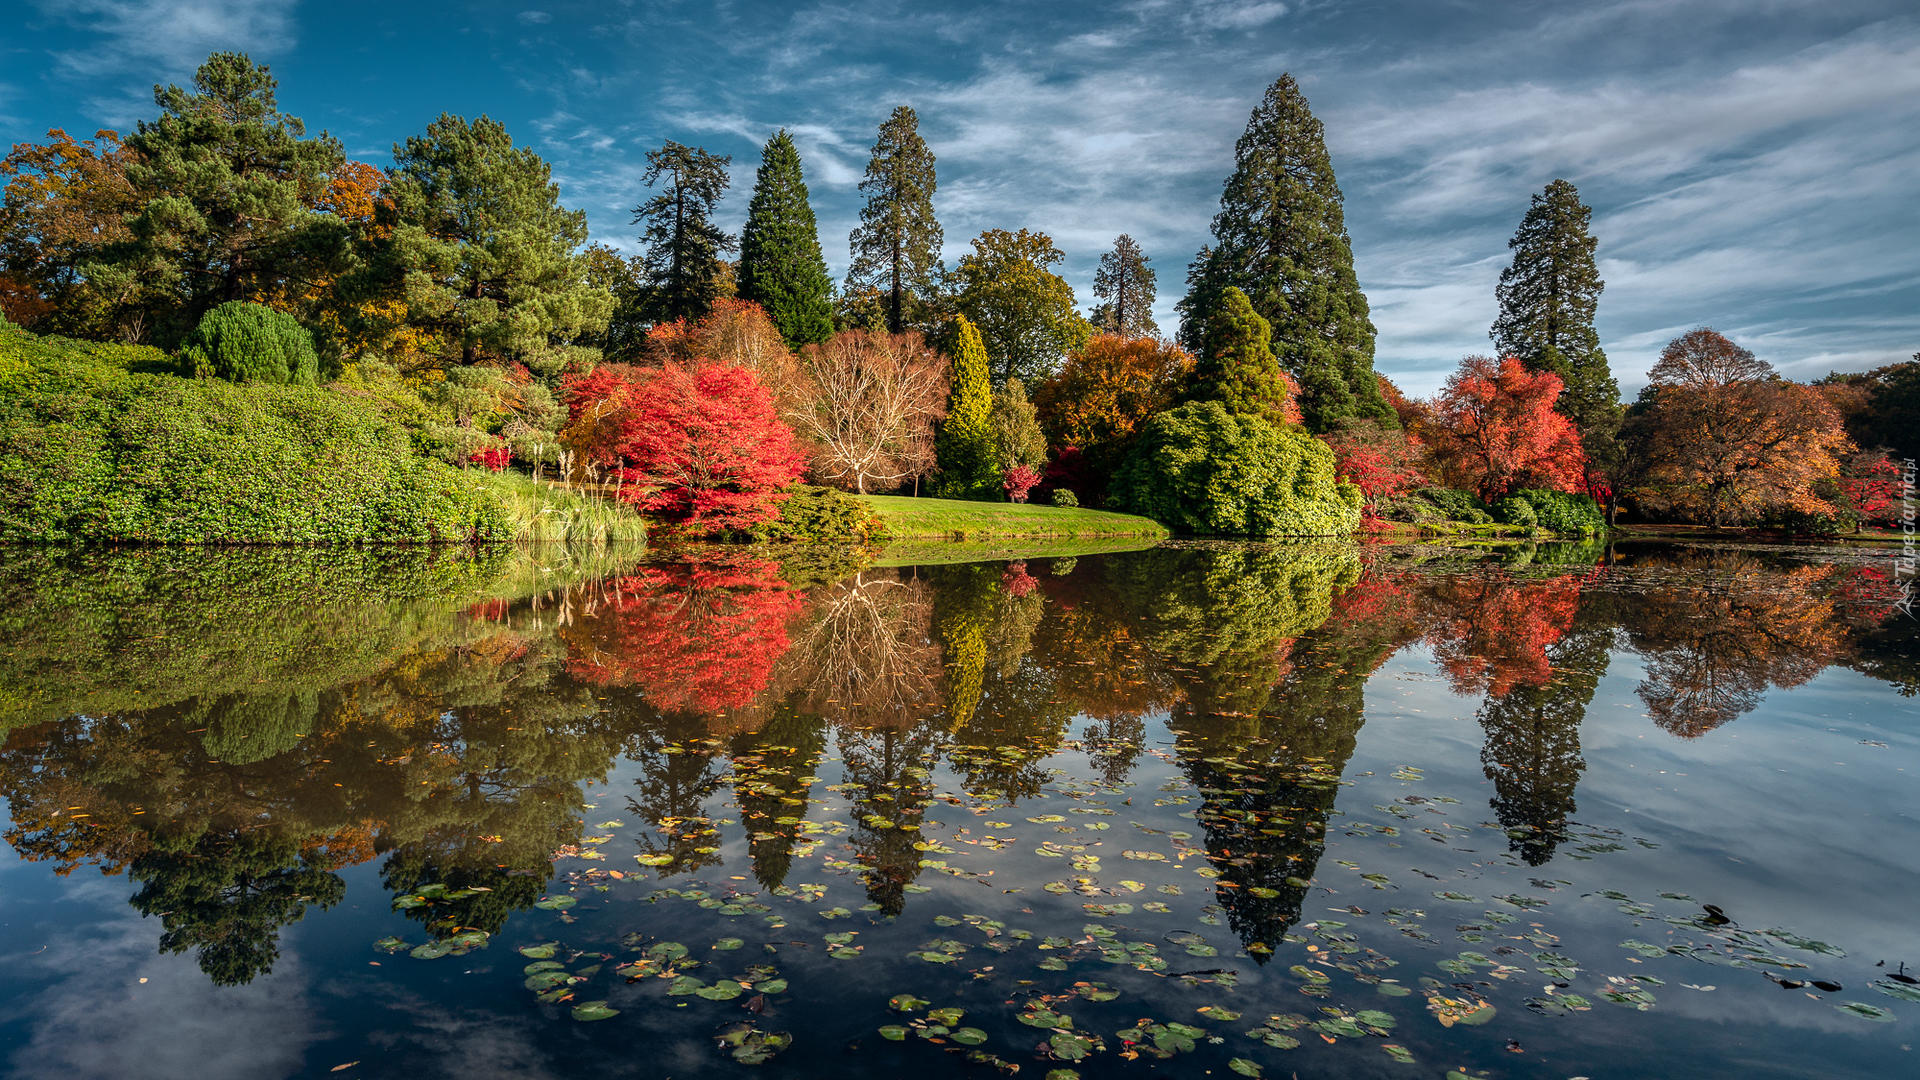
<point x="1198" y="468"/>
<point x="1064" y="497"/>
<point x="93" y="451"/>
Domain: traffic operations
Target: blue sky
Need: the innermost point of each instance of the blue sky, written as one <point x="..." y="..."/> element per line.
<point x="1753" y="164"/>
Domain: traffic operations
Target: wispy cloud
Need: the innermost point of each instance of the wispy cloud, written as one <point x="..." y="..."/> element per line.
<point x="172" y="35"/>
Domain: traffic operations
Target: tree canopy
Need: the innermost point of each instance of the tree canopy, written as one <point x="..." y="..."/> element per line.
<point x="1125" y="283"/>
<point x="1024" y="310"/>
<point x="1548" y="297"/>
<point x="682" y="261"/>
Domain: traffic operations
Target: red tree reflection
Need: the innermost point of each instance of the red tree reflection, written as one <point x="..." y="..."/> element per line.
<point x="693" y="637"/>
<point x="1495" y="631"/>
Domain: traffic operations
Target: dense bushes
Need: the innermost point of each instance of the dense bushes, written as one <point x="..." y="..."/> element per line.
<point x="243" y="342"/>
<point x="1200" y="469"/>
<point x="819" y="513"/>
<point x="1064" y="497"/>
<point x="1563" y="512"/>
<point x="93" y="452"/>
<point x="1516" y="511"/>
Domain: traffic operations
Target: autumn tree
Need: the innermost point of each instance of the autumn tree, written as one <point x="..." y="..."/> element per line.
<point x="1728" y="440"/>
<point x="1548" y="297"/>
<point x="486" y="261"/>
<point x="227" y="186"/>
<point x="1880" y="408"/>
<point x="871" y="406"/>
<point x="1125" y="283"/>
<point x="1107" y="389"/>
<point x="963" y="445"/>
<point x="1281" y="237"/>
<point x="63" y="205"/>
<point x="1238" y="368"/>
<point x="1495" y="430"/>
<point x="896" y="247"/>
<point x="781" y="268"/>
<point x="1024" y="310"/>
<point x="684" y="246"/>
<point x="700" y="445"/>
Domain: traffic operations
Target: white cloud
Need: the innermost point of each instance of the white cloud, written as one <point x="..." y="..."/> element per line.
<point x="535" y="18"/>
<point x="175" y="35"/>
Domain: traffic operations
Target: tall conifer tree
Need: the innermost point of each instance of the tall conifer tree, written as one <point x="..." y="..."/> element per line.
<point x="964" y="445"/>
<point x="1547" y="303"/>
<point x="1281" y="237"/>
<point x="780" y="264"/>
<point x="682" y="260"/>
<point x="896" y="248"/>
<point x="1126" y="283"/>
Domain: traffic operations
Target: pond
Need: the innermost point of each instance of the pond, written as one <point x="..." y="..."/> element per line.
<point x="1197" y="810"/>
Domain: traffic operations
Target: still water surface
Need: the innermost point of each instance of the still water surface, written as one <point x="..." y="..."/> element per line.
<point x="1226" y="810"/>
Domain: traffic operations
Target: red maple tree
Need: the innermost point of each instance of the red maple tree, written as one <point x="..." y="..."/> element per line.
<point x="1495" y="430"/>
<point x="698" y="445"/>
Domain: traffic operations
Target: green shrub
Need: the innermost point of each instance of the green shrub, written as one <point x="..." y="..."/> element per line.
<point x="1064" y="497"/>
<point x="243" y="342"/>
<point x="1514" y="510"/>
<point x="1199" y="469"/>
<point x="92" y="451"/>
<point x="1563" y="511"/>
<point x="820" y="513"/>
<point x="1457" y="505"/>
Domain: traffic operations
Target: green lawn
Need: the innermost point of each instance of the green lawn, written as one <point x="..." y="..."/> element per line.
<point x="909" y="518"/>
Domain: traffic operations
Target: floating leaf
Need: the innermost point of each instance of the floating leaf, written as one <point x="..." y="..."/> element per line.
<point x="1865" y="1011"/>
<point x="1245" y="1067"/>
<point x="593" y="1010"/>
<point x="893" y="1032"/>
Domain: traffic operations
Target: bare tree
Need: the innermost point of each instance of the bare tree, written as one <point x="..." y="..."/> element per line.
<point x="872" y="402"/>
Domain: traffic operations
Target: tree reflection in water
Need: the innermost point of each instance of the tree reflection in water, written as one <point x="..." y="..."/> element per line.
<point x="448" y="711"/>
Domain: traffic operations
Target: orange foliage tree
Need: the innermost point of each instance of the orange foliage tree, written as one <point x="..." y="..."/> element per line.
<point x="61" y="203"/>
<point x="1494" y="430"/>
<point x="1728" y="440"/>
<point x="1107" y="389"/>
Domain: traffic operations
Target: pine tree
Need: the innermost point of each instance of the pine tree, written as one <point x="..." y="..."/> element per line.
<point x="1237" y="368"/>
<point x="1281" y="237"/>
<point x="1126" y="283"/>
<point x="780" y="264"/>
<point x="683" y="264"/>
<point x="964" y="445"/>
<point x="487" y="262"/>
<point x="896" y="249"/>
<point x="226" y="185"/>
<point x="1547" y="301"/>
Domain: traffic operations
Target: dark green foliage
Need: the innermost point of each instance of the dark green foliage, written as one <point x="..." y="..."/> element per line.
<point x="781" y="268"/>
<point x="1281" y="237"/>
<point x="241" y="729"/>
<point x="242" y="342"/>
<point x="896" y="248"/>
<point x="226" y="894"/>
<point x="1563" y="511"/>
<point x="1126" y="283"/>
<point x="1238" y="368"/>
<point x="684" y="246"/>
<point x="1198" y="468"/>
<point x="1514" y="510"/>
<point x="824" y="514"/>
<point x="1457" y="505"/>
<point x="1532" y="749"/>
<point x="227" y="185"/>
<point x="1547" y="301"/>
<point x="1064" y="497"/>
<point x="1889" y="415"/>
<point x="487" y="262"/>
<point x="93" y="453"/>
<point x="964" y="444"/>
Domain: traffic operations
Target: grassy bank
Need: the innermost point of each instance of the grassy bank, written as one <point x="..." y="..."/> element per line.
<point x="923" y="519"/>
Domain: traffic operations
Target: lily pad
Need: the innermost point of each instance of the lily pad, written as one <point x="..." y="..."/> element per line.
<point x="593" y="1010"/>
